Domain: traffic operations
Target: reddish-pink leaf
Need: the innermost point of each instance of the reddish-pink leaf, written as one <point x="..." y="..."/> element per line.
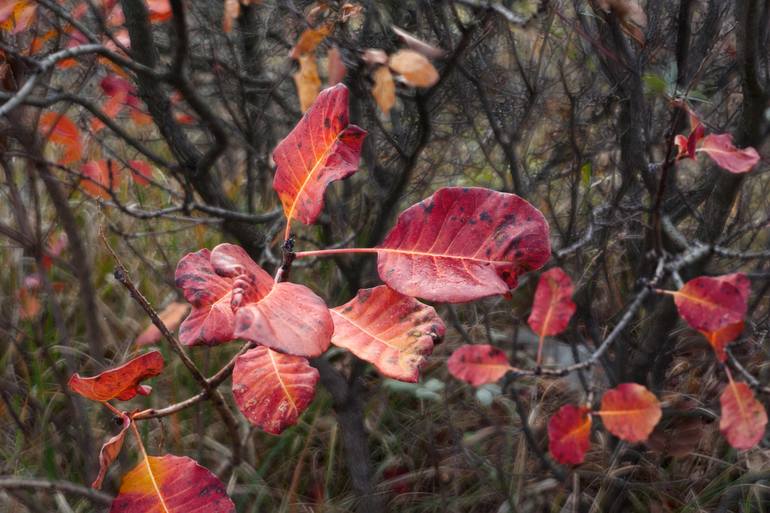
<point x="553" y="307"/>
<point x="322" y="148"/>
<point x="569" y="432"/>
<point x="212" y="317"/>
<point x="630" y="412"/>
<point x="744" y="418"/>
<point x="463" y="244"/>
<point x="722" y="151"/>
<point x="110" y="451"/>
<point x="171" y="316"/>
<point x="233" y="297"/>
<point x="478" y="364"/>
<point x="141" y="172"/>
<point x="389" y="330"/>
<point x="122" y="382"/>
<point x="17" y="16"/>
<point x="272" y="389"/>
<point x="160" y="10"/>
<point x="335" y="67"/>
<point x="61" y="130"/>
<point x="723" y="336"/>
<point x="171" y="484"/>
<point x="711" y="303"/>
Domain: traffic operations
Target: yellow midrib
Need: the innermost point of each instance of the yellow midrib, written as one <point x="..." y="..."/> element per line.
<point x="155" y="484"/>
<point x="283" y="385"/>
<point x="358" y="326"/>
<point x="290" y="214"/>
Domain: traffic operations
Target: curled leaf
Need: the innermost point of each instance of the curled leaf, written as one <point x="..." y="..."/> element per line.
<point x="110" y="451"/>
<point x="723" y="336"/>
<point x="393" y="332"/>
<point x="384" y="90"/>
<point x="172" y="316"/>
<point x="722" y="151"/>
<point x="122" y="382"/>
<point x="414" y="68"/>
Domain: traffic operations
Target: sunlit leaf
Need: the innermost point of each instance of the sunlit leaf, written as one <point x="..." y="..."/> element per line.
<point x="389" y="330"/>
<point x="171" y="484"/>
<point x="569" y="432"/>
<point x="272" y="389"/>
<point x="478" y="364"/>
<point x="630" y="412"/>
<point x="711" y="303"/>
<point x="722" y="151"/>
<point x="463" y="244"/>
<point x="323" y="147"/>
<point x="110" y="451"/>
<point x="121" y="382"/>
<point x="743" y="418"/>
<point x="413" y="68"/>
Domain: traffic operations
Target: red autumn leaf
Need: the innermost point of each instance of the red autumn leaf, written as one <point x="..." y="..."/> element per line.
<point x="160" y="10"/>
<point x="100" y="177"/>
<point x="121" y="382"/>
<point x="171" y="484"/>
<point x="478" y="364"/>
<point x="553" y="307"/>
<point x="569" y="432"/>
<point x="29" y="303"/>
<point x="272" y="389"/>
<point x="110" y="451"/>
<point x="744" y="418"/>
<point x="463" y="244"/>
<point x="212" y="317"/>
<point x="171" y="316"/>
<point x="389" y="330"/>
<point x="711" y="303"/>
<point x="630" y="412"/>
<point x="61" y="130"/>
<point x="722" y="151"/>
<point x="322" y="148"/>
<point x="723" y="336"/>
<point x="141" y="172"/>
<point x="284" y="316"/>
<point x="233" y="297"/>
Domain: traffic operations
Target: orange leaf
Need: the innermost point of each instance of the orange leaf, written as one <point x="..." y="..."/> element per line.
<point x="171" y="316"/>
<point x="463" y="244"/>
<point x="744" y="418"/>
<point x="307" y="81"/>
<point x="16" y="17"/>
<point x="630" y="412"/>
<point x="569" y="431"/>
<point x="160" y="10"/>
<point x="723" y="336"/>
<point x="389" y="330"/>
<point x="141" y="172"/>
<point x="121" y="382"/>
<point x="231" y="12"/>
<point x="711" y="303"/>
<point x="322" y="148"/>
<point x="478" y="364"/>
<point x="273" y="389"/>
<point x="61" y="130"/>
<point x="722" y="151"/>
<point x="384" y="90"/>
<point x="310" y="39"/>
<point x="110" y="451"/>
<point x="99" y="178"/>
<point x="414" y="68"/>
<point x="171" y="484"/>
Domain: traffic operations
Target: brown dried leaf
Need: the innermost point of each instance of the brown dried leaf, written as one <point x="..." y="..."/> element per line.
<point x="414" y="68"/>
<point x="307" y="81"/>
<point x="418" y="45"/>
<point x="384" y="90"/>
